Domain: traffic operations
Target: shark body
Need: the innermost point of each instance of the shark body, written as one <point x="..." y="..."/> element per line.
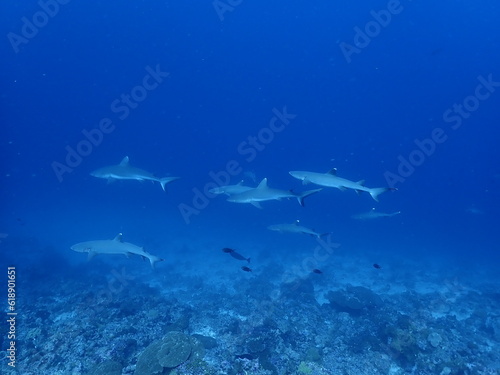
<point x="114" y="246"/>
<point x="124" y="171"/>
<point x="264" y="193"/>
<point x="295" y="228"/>
<point x="373" y="214"/>
<point x="231" y="189"/>
<point x="330" y="179"/>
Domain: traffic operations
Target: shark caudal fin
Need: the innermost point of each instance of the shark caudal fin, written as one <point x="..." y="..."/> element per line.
<point x="375" y="192"/>
<point x="154" y="259"/>
<point x="305" y="194"/>
<point x="165" y="180"/>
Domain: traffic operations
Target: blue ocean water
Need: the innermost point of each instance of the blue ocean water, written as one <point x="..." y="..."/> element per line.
<point x="401" y="94"/>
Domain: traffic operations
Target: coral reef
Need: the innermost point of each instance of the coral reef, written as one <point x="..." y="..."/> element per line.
<point x="260" y="324"/>
<point x="354" y="299"/>
<point x="171" y="351"/>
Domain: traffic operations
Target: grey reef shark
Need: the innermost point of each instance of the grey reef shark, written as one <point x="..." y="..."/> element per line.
<point x="330" y="179"/>
<point x="230" y="189"/>
<point x="264" y="193"/>
<point x="373" y="214"/>
<point x="295" y="228"/>
<point x="114" y="246"/>
<point x="124" y="171"/>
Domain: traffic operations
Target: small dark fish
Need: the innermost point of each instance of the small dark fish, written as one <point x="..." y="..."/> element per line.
<point x="246" y="269"/>
<point x="377" y="266"/>
<point x="317" y="271"/>
<point x="238" y="256"/>
<point x="235" y="254"/>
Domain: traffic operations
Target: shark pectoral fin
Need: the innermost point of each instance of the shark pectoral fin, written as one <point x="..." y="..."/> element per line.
<point x="305" y="181"/>
<point x="127" y="254"/>
<point x="358" y="191"/>
<point x="110" y="180"/>
<point x="256" y="204"/>
<point x="341" y="188"/>
<point x="90" y="255"/>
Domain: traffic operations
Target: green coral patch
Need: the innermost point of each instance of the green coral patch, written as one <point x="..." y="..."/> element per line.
<point x="175" y="349"/>
<point x="148" y="363"/>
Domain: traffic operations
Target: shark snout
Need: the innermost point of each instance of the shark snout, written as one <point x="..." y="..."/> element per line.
<point x="80" y="248"/>
<point x="297" y="174"/>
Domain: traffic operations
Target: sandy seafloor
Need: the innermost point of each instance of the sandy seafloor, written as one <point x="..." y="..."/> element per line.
<point x="409" y="317"/>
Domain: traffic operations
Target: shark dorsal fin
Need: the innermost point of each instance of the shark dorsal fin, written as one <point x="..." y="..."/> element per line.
<point x="296" y="222"/>
<point x="240" y="183"/>
<point x="118" y="237"/>
<point x="124" y="162"/>
<point x="332" y="171"/>
<point x="263" y="184"/>
<point x="361" y="182"/>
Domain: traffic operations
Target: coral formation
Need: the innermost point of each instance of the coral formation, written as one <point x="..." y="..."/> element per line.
<point x="179" y="325"/>
<point x="354" y="299"/>
<point x="171" y="351"/>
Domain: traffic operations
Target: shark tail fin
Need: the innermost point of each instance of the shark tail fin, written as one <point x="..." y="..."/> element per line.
<point x="375" y="192"/>
<point x="305" y="194"/>
<point x="154" y="259"/>
<point x="165" y="180"/>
